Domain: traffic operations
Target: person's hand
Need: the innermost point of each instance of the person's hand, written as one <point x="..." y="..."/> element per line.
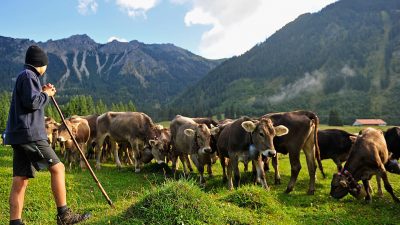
<point x="49" y="89"/>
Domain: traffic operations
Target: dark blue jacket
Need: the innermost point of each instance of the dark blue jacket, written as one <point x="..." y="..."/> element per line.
<point x="26" y="116"/>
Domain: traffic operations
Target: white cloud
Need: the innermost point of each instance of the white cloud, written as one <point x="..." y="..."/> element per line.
<point x="238" y="25"/>
<point x="179" y="2"/>
<point x="87" y="6"/>
<point x="136" y="8"/>
<point x="110" y="39"/>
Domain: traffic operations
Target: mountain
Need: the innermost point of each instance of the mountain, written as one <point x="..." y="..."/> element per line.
<point x="344" y="58"/>
<point x="148" y="74"/>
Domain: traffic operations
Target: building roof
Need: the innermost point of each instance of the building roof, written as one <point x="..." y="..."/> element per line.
<point x="369" y="122"/>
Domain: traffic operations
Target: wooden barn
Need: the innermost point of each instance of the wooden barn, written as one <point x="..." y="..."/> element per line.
<point x="369" y="122"/>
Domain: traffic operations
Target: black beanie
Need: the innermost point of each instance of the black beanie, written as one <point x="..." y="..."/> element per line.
<point x="36" y="57"/>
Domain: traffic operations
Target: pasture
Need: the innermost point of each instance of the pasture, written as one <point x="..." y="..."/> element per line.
<point x="148" y="198"/>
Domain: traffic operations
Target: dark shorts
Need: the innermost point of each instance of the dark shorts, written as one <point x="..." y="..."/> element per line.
<point x="31" y="157"/>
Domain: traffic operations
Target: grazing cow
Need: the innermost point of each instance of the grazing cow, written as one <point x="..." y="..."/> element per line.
<point x="335" y="144"/>
<point x="161" y="147"/>
<point x="136" y="128"/>
<point x="52" y="131"/>
<point x="250" y="139"/>
<point x="80" y="129"/>
<point x="213" y="143"/>
<point x="367" y="157"/>
<point x="190" y="138"/>
<point x="303" y="126"/>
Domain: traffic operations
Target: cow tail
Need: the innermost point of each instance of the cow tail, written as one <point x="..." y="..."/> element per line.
<point x="317" y="151"/>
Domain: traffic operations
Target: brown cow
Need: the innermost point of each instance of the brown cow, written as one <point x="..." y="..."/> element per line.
<point x="303" y="126"/>
<point x="161" y="147"/>
<point x="134" y="127"/>
<point x="367" y="157"/>
<point x="81" y="131"/>
<point x="190" y="138"/>
<point x="52" y="131"/>
<point x="249" y="139"/>
<point x="211" y="123"/>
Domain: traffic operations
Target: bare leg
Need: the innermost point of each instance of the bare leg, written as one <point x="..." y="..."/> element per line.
<point x="17" y="196"/>
<point x="58" y="184"/>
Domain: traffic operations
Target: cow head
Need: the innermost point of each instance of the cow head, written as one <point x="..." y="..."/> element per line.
<point x="201" y="137"/>
<point x="262" y="134"/>
<point x="160" y="146"/>
<point x="341" y="185"/>
<point x="51" y="129"/>
<point x="393" y="166"/>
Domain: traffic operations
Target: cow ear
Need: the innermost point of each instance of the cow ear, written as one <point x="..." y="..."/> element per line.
<point x="159" y="126"/>
<point x="152" y="143"/>
<point x="353" y="139"/>
<point x="281" y="130"/>
<point x="249" y="126"/>
<point x="189" y="132"/>
<point x="214" y="130"/>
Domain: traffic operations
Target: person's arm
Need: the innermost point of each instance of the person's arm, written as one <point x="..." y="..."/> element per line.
<point x="32" y="95"/>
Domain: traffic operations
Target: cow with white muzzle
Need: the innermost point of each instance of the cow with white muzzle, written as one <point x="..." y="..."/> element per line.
<point x="190" y="138"/>
<point x="368" y="156"/>
<point x="248" y="139"/>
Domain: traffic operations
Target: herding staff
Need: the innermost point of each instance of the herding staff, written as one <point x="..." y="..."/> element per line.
<point x="83" y="155"/>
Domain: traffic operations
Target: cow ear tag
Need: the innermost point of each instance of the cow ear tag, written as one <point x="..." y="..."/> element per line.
<point x="252" y="148"/>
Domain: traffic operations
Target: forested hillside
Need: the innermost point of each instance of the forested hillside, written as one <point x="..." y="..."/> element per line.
<point x="345" y="58"/>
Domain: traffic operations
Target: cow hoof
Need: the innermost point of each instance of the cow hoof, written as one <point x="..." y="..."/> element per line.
<point x="210" y="175"/>
<point x="368" y="201"/>
<point x="288" y="190"/>
<point x="310" y="192"/>
<point x="137" y="170"/>
<point x="379" y="194"/>
<point x="277" y="182"/>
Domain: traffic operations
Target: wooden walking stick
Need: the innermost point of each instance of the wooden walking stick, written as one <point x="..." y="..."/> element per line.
<point x="82" y="155"/>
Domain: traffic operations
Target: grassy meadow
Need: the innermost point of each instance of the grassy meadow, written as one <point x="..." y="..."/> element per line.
<point x="149" y="198"/>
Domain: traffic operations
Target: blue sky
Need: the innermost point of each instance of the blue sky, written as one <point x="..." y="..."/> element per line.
<point x="210" y="28"/>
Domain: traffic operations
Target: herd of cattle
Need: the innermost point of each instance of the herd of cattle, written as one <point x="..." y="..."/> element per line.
<point x="138" y="140"/>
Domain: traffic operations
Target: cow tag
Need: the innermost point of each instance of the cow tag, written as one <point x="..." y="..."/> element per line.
<point x="189" y="132"/>
<point x="249" y="126"/>
<point x="281" y="130"/>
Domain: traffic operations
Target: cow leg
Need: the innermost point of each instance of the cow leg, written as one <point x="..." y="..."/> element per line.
<point x="266" y="164"/>
<point x="367" y="190"/>
<point x="295" y="169"/>
<point x="378" y="183"/>
<point x="223" y="162"/>
<point x="183" y="159"/>
<point x="116" y="157"/>
<point x="232" y="163"/>
<point x="275" y="164"/>
<point x="259" y="164"/>
<point x="199" y="163"/>
<point x="174" y="159"/>
<point x="98" y="151"/>
<point x="81" y="160"/>
<point x="189" y="164"/>
<point x="312" y="167"/>
<point x="387" y="185"/>
<point x="233" y="167"/>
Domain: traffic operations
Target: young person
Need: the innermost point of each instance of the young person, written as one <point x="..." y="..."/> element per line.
<point x="26" y="133"/>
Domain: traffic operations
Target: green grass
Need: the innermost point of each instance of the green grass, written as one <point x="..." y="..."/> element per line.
<point x="147" y="198"/>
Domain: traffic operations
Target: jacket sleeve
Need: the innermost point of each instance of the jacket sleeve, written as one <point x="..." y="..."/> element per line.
<point x="31" y="94"/>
